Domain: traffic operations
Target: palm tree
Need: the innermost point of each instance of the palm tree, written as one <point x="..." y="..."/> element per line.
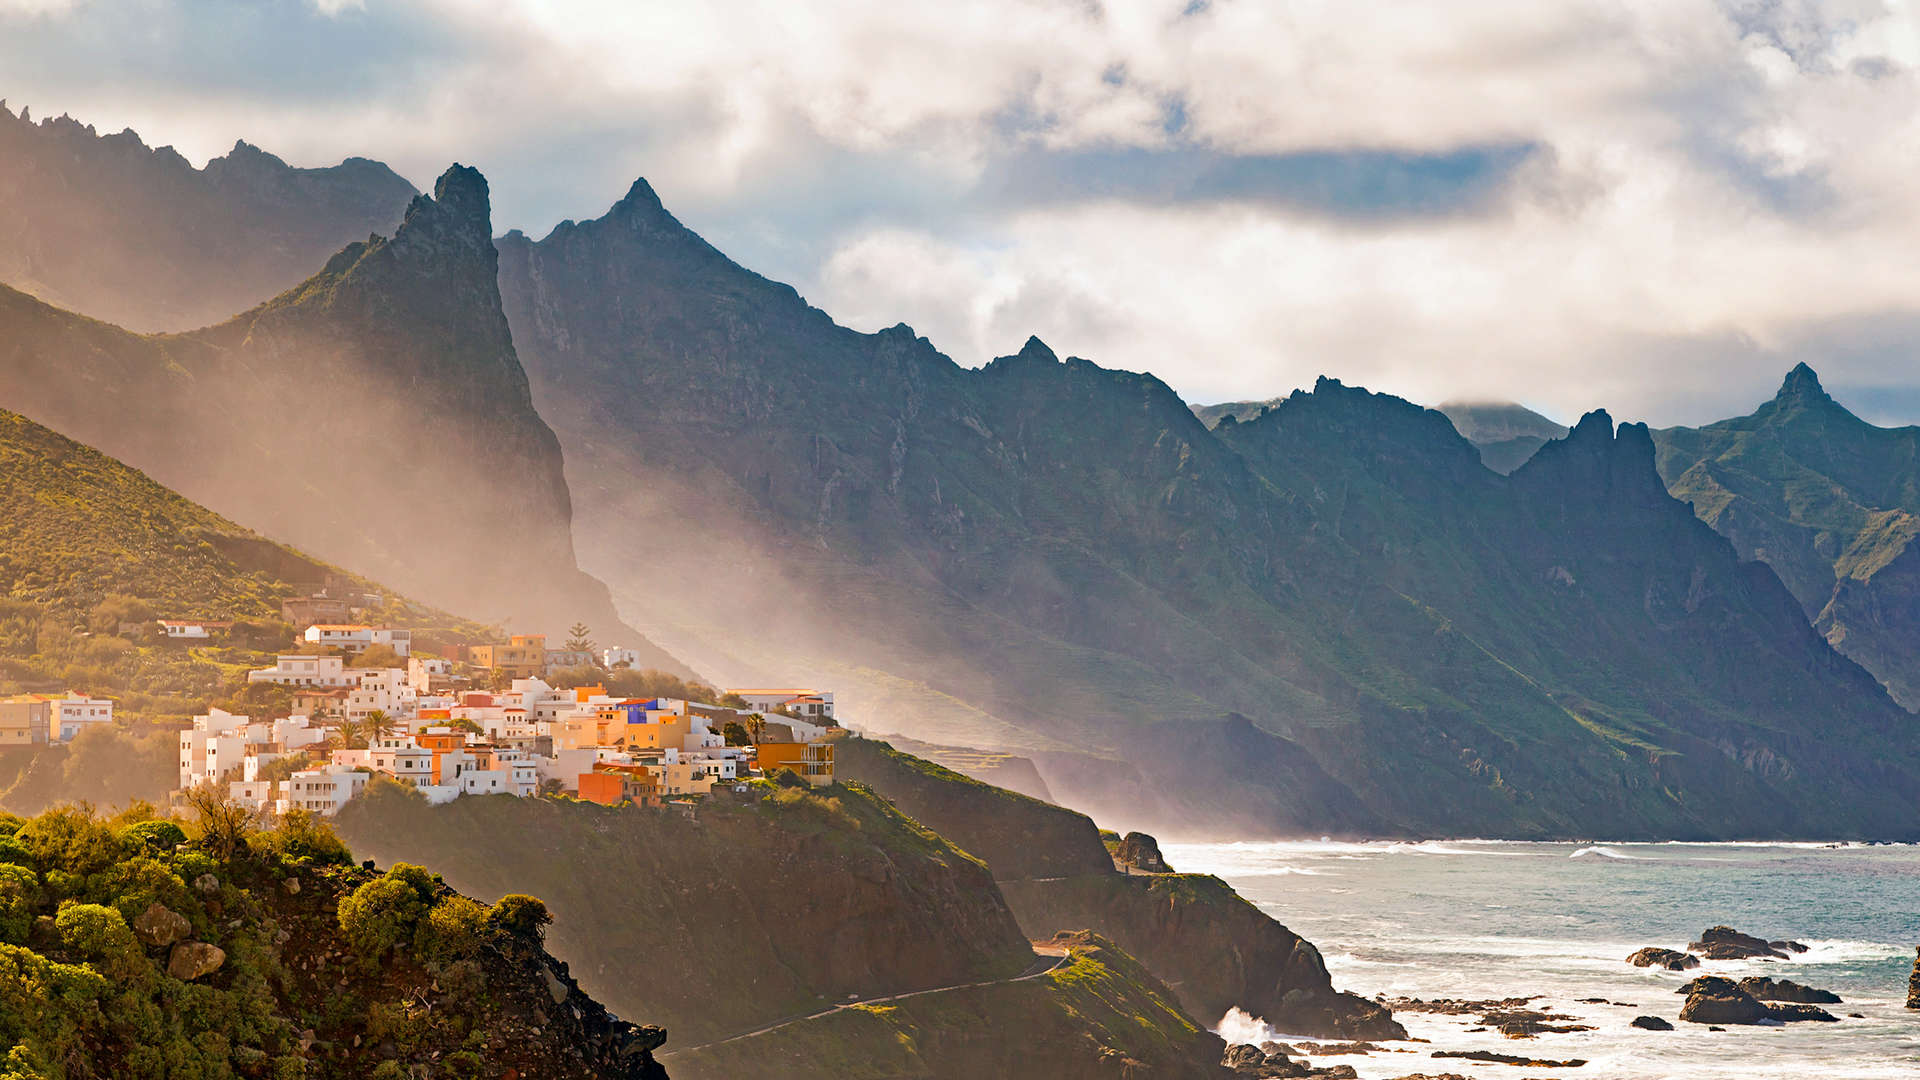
<point x="379" y="725"/>
<point x="352" y="736"/>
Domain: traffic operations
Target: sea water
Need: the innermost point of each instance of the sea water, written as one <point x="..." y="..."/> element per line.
<point x="1488" y="920"/>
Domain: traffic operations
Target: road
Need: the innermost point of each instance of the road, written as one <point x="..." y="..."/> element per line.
<point x="1047" y="959"/>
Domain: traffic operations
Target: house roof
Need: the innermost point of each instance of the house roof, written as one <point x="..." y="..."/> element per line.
<point x="344" y="627"/>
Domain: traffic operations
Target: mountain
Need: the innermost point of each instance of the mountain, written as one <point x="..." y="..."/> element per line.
<point x="141" y="238"/>
<point x="132" y="951"/>
<point x="1831" y="503"/>
<point x="1329" y="618"/>
<point x="375" y="415"/>
<point x="1506" y="434"/>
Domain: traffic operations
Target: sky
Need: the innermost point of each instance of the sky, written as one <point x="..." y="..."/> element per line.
<point x="1655" y="207"/>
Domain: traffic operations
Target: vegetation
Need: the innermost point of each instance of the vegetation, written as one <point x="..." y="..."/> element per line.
<point x="408" y="976"/>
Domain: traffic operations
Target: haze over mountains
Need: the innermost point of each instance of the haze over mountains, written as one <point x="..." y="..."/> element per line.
<point x="1329" y="616"/>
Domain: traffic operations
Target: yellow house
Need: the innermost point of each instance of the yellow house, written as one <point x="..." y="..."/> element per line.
<point x="524" y="656"/>
<point x="812" y="760"/>
<point x="24" y="719"/>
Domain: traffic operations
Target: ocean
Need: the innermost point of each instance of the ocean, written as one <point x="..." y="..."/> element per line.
<point x="1491" y="919"/>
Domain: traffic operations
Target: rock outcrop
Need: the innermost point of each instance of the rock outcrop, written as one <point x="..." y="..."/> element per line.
<point x="159" y="927"/>
<point x="1651" y="1023"/>
<point x="1913" y="983"/>
<point x="1787" y="990"/>
<point x="1726" y="943"/>
<point x="1138" y="851"/>
<point x="1715" y="1000"/>
<point x="1671" y="959"/>
<point x="191" y="959"/>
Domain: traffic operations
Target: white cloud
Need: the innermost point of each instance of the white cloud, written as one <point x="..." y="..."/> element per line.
<point x="1707" y="172"/>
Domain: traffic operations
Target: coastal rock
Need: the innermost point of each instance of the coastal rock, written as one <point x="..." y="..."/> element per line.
<point x="192" y="959"/>
<point x="1714" y="1000"/>
<point x="1651" y="1023"/>
<point x="1671" y="959"/>
<point x="159" y="925"/>
<point x="1141" y="852"/>
<point x="1726" y="943"/>
<point x="1509" y="1059"/>
<point x="1787" y="990"/>
<point x="1913" y="982"/>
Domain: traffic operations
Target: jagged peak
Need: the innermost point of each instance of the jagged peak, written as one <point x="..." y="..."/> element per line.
<point x="1595" y="428"/>
<point x="1035" y="349"/>
<point x="1802" y="384"/>
<point x="640" y="199"/>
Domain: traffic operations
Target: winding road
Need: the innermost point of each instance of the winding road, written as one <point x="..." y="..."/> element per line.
<point x="1047" y="959"/>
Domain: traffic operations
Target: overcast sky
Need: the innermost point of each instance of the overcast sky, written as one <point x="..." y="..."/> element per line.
<point x="1656" y="207"/>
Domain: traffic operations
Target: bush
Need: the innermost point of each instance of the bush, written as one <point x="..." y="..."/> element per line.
<point x="13" y="851"/>
<point x="521" y="915"/>
<point x="100" y="934"/>
<point x="301" y="836"/>
<point x="454" y="928"/>
<point x="71" y="838"/>
<point x="19" y="891"/>
<point x="154" y="835"/>
<point x="379" y="915"/>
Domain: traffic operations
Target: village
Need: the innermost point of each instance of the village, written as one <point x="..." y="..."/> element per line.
<point x="358" y="705"/>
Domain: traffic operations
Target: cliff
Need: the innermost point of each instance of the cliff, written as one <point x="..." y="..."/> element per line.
<point x="1213" y="949"/>
<point x="139" y="237"/>
<point x="1100" y="1016"/>
<point x="375" y="415"/>
<point x="128" y="950"/>
<point x="749" y="912"/>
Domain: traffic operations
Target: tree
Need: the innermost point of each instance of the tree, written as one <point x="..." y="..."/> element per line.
<point x="378" y="656"/>
<point x="353" y="736"/>
<point x="756" y="726"/>
<point x="736" y="734"/>
<point x="224" y="824"/>
<point x="578" y="639"/>
<point x="379" y="725"/>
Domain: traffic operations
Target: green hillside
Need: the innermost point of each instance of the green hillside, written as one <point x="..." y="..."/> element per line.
<point x="92" y="551"/>
<point x="1831" y="503"/>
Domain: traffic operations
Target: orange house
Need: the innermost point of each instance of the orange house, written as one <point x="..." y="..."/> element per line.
<point x="610" y="784"/>
<point x="811" y="760"/>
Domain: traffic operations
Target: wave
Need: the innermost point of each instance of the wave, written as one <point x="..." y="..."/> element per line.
<point x="1607" y="853"/>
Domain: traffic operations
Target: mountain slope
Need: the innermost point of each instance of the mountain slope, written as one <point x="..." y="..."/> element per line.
<point x="375" y="415"/>
<point x="1506" y="434"/>
<point x="1329" y="618"/>
<point x="141" y="238"/>
<point x="1831" y="503"/>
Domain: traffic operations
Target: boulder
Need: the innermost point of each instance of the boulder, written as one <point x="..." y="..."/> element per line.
<point x="207" y="883"/>
<point x="1671" y="959"/>
<point x="1788" y="946"/>
<point x="160" y="925"/>
<point x="1243" y="1056"/>
<point x="1726" y="943"/>
<point x="192" y="959"/>
<point x="1714" y="1000"/>
<point x="1787" y="990"/>
<point x="1651" y="1023"/>
<point x="1141" y="852"/>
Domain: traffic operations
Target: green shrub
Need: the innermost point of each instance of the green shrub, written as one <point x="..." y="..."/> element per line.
<point x="19" y="892"/>
<point x="13" y="851"/>
<point x="100" y="934"/>
<point x="453" y="928"/>
<point x="521" y="915"/>
<point x="73" y="839"/>
<point x="305" y="837"/>
<point x="10" y="823"/>
<point x="154" y="835"/>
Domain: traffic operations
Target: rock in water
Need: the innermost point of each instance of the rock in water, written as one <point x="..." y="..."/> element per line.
<point x="1726" y="943"/>
<point x="192" y="959"/>
<point x="1913" y="983"/>
<point x="1671" y="959"/>
<point x="1787" y="990"/>
<point x="1651" y="1023"/>
<point x="159" y="925"/>
<point x="1714" y="1000"/>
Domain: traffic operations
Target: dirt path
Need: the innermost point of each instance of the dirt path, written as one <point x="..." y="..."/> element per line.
<point x="1047" y="959"/>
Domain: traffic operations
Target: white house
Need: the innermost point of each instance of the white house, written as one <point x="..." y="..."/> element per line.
<point x="353" y="638"/>
<point x="76" y="713"/>
<point x="619" y="655"/>
<point x="815" y="705"/>
<point x="324" y="790"/>
<point x="214" y="738"/>
<point x="305" y="670"/>
<point x="191" y="629"/>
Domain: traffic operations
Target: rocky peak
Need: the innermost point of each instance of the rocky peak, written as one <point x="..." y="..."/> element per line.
<point x="1801" y="384"/>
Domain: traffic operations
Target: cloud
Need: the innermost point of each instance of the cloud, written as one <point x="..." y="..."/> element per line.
<point x="1642" y="204"/>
